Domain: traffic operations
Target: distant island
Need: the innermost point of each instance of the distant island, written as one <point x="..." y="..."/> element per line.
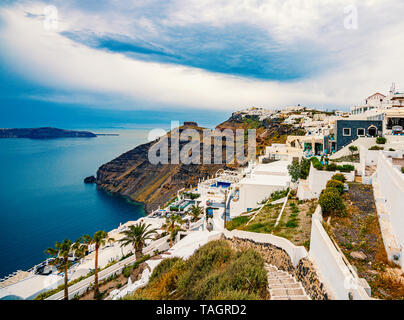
<point x="44" y="133"/>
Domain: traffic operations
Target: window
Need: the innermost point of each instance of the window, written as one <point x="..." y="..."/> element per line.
<point x="361" y="132"/>
<point x="346" y="131"/>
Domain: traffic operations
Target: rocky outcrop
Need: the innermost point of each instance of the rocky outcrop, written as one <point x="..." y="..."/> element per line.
<point x="90" y="179"/>
<point x="44" y="133"/>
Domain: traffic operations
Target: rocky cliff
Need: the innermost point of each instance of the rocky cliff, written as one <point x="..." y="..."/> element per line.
<point x="133" y="176"/>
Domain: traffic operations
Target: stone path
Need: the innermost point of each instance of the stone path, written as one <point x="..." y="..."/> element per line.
<point x="283" y="286"/>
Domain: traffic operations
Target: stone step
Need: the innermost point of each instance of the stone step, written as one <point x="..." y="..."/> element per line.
<point x="283" y="286"/>
<point x="282" y="281"/>
<point x="278" y="275"/>
<point x="268" y="266"/>
<point x="291" y="298"/>
<point x="281" y="292"/>
<point x="286" y="286"/>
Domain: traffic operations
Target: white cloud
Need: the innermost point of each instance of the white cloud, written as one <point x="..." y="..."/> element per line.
<point x="368" y="61"/>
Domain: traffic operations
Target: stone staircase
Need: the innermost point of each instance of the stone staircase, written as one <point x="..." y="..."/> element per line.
<point x="283" y="286"/>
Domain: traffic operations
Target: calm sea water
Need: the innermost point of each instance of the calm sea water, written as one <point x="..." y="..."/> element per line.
<point x="43" y="198"/>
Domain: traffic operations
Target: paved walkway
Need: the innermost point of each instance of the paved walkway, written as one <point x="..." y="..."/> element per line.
<point x="283" y="286"/>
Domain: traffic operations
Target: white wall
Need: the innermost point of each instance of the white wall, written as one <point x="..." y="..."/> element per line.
<point x="391" y="185"/>
<point x="251" y="194"/>
<point x="334" y="271"/>
<point x="316" y="182"/>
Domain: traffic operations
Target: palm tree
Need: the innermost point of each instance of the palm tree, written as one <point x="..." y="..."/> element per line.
<point x="99" y="239"/>
<point x="137" y="235"/>
<point x="195" y="212"/>
<point x="80" y="247"/>
<point x="171" y="225"/>
<point x="61" y="253"/>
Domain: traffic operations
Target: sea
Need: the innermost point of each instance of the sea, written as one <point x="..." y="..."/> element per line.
<point x="43" y="198"/>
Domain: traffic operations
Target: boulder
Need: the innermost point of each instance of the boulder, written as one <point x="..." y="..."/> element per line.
<point x="359" y="255"/>
<point x="90" y="179"/>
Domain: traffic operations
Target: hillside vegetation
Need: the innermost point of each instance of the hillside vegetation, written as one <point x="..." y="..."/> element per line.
<point x="214" y="271"/>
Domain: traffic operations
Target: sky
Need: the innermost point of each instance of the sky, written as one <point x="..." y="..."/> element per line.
<point x="201" y="57"/>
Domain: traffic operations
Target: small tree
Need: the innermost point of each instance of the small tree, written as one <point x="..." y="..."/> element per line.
<point x="304" y="168"/>
<point x="336" y="184"/>
<point x="294" y="170"/>
<point x="331" y="202"/>
<point x="381" y="140"/>
<point x="299" y="169"/>
<point x="339" y="177"/>
<point x="353" y="149"/>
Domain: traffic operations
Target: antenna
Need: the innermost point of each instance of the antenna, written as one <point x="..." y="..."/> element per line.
<point x="393" y="87"/>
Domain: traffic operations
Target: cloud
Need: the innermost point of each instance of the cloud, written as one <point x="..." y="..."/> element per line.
<point x="337" y="67"/>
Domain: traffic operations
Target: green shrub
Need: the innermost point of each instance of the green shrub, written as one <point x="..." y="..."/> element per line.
<point x="336" y="184"/>
<point x="291" y="223"/>
<point x="191" y="195"/>
<point x="126" y="271"/>
<point x="331" y="202"/>
<point x="316" y="163"/>
<point x="339" y="177"/>
<point x="331" y="167"/>
<point x="391" y="149"/>
<point x="402" y="169"/>
<point x="299" y="169"/>
<point x="381" y="140"/>
<point x="293" y="207"/>
<point x="346" y="168"/>
<point x="376" y="148"/>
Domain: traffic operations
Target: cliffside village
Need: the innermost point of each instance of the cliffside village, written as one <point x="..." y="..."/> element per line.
<point x="256" y="206"/>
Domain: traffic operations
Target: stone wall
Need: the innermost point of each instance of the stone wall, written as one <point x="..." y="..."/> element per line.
<point x="307" y="275"/>
<point x="304" y="272"/>
<point x="271" y="254"/>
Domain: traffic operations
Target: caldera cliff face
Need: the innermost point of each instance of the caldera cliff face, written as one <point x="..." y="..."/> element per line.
<point x="133" y="176"/>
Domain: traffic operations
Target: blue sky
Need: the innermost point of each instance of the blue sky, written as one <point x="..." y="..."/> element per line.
<point x="189" y="56"/>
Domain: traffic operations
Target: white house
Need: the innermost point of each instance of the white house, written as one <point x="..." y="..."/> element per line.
<point x="258" y="185"/>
